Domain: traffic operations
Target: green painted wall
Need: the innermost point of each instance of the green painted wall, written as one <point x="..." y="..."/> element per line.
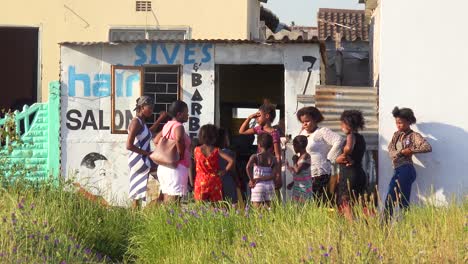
<point x="39" y="128"/>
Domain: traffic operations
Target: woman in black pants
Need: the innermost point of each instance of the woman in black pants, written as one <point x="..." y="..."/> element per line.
<point x="323" y="145"/>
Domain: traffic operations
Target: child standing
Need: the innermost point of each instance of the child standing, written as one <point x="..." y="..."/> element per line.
<point x="404" y="144"/>
<point x="265" y="116"/>
<point x="265" y="168"/>
<point x="230" y="180"/>
<point x="302" y="180"/>
<point x="208" y="185"/>
<point x="352" y="178"/>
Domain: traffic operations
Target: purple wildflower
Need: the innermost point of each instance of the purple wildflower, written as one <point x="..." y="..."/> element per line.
<point x="374" y="250"/>
<point x="169" y="222"/>
<point x="99" y="256"/>
<point x="171" y="211"/>
<point x="322" y="247"/>
<point x="244" y="238"/>
<point x="185" y="221"/>
<point x="77" y="246"/>
<point x="69" y="248"/>
<point x="380" y="257"/>
<point x="311" y="249"/>
<point x="31" y="236"/>
<point x="330" y="249"/>
<point x="87" y="251"/>
<point x="56" y="242"/>
<point x="179" y="226"/>
<point x="46" y="237"/>
<point x="250" y="255"/>
<point x="32" y="206"/>
<point x="2" y="254"/>
<point x="20" y="206"/>
<point x="253" y="244"/>
<point x="358" y="254"/>
<point x="13" y="221"/>
<point x="369" y="245"/>
<point x="63" y="262"/>
<point x="326" y="255"/>
<point x="14" y="249"/>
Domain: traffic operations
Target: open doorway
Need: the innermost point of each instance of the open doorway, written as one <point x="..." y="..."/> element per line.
<point x="19" y="67"/>
<point x="240" y="90"/>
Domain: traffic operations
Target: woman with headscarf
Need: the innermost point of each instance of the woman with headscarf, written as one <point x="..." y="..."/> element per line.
<point x="138" y="143"/>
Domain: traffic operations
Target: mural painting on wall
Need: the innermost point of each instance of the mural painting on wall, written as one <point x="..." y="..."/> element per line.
<point x="91" y="149"/>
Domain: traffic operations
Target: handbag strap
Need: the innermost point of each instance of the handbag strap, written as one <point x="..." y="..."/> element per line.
<point x="170" y="130"/>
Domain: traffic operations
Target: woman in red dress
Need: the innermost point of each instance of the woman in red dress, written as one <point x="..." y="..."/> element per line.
<point x="208" y="184"/>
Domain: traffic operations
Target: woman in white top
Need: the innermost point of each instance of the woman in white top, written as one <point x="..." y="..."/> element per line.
<point x="323" y="145"/>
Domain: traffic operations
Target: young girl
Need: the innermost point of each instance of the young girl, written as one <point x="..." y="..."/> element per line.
<point x="231" y="180"/>
<point x="265" y="168"/>
<point x="352" y="178"/>
<point x="208" y="185"/>
<point x="302" y="181"/>
<point x="404" y="144"/>
<point x="265" y="116"/>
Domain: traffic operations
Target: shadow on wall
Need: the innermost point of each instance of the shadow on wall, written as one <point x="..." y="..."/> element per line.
<point x="441" y="175"/>
<point x="444" y="175"/>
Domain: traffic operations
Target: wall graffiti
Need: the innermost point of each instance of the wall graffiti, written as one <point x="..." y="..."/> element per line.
<point x="148" y="53"/>
<point x="196" y="106"/>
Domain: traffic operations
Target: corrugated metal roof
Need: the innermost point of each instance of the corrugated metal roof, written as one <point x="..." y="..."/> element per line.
<point x="286" y="35"/>
<point x="333" y="100"/>
<point x="215" y="41"/>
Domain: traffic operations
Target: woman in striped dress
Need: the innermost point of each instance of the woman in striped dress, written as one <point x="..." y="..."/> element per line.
<point x="138" y="143"/>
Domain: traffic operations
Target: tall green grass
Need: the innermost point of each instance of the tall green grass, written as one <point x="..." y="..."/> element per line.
<point x="299" y="234"/>
<point x="53" y="224"/>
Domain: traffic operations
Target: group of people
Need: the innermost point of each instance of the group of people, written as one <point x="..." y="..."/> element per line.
<point x="316" y="148"/>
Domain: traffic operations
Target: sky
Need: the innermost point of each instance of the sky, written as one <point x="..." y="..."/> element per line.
<point x="304" y="12"/>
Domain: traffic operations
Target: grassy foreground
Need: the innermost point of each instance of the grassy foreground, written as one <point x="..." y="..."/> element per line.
<point x="51" y="225"/>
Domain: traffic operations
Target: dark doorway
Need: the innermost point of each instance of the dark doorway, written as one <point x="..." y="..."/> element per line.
<point x="18" y="67"/>
<point x="240" y="90"/>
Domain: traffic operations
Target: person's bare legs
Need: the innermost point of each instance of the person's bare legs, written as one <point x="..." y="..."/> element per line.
<point x="171" y="199"/>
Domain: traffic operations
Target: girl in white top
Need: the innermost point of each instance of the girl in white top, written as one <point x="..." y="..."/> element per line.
<point x="323" y="146"/>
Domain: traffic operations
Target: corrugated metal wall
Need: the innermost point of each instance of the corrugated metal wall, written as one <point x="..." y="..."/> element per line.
<point x="333" y="100"/>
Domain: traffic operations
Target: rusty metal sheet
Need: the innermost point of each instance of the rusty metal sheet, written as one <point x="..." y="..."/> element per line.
<point x="333" y="100"/>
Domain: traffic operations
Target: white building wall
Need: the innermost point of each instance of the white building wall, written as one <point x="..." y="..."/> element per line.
<point x="423" y="65"/>
<point x="86" y="105"/>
